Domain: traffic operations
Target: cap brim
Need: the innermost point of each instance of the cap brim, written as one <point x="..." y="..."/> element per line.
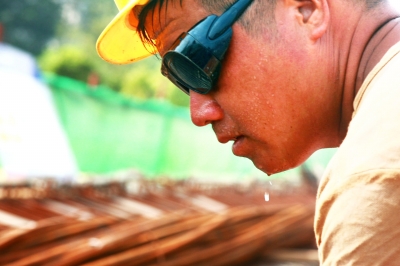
<point x="119" y="43"/>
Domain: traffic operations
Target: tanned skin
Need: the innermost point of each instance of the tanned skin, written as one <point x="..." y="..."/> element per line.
<point x="287" y="92"/>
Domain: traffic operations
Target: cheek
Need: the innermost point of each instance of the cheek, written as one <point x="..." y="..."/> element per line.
<point x="263" y="84"/>
<point x="243" y="90"/>
<point x="264" y="92"/>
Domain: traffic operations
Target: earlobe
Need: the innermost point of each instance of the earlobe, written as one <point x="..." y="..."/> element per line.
<point x="314" y="14"/>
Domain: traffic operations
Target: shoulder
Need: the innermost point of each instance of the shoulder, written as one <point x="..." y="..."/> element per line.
<point x="372" y="140"/>
<point x="360" y="191"/>
<point x="356" y="220"/>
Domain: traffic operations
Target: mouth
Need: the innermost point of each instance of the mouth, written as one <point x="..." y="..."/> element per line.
<point x="226" y="139"/>
<point x="237" y="147"/>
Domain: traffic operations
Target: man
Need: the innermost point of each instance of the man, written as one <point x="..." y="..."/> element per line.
<point x="297" y="76"/>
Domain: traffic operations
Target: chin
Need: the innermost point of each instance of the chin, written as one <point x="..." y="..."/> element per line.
<point x="271" y="167"/>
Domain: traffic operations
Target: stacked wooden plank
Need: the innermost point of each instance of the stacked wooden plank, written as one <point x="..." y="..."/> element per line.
<point x="162" y="224"/>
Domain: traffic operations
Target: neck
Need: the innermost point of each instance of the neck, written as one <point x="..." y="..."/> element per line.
<point x="375" y="33"/>
<point x="384" y="38"/>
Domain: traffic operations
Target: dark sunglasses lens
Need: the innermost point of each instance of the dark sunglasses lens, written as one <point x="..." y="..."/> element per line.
<point x="173" y="79"/>
<point x="180" y="69"/>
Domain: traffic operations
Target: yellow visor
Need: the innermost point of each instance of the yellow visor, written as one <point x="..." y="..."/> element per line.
<point x="119" y="42"/>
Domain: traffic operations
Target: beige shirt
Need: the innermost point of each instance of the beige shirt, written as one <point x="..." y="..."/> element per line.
<point x="357" y="218"/>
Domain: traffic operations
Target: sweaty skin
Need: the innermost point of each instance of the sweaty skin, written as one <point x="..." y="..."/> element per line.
<point x="284" y="94"/>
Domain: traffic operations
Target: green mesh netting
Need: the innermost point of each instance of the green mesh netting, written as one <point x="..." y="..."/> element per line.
<point x="108" y="132"/>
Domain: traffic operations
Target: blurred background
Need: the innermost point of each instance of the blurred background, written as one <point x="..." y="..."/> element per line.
<point x="90" y="150"/>
<point x="69" y="115"/>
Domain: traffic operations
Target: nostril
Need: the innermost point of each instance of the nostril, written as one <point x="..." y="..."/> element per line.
<point x="200" y="117"/>
<point x="204" y="109"/>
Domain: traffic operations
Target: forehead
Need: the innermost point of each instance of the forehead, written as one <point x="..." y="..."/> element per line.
<point x="166" y="22"/>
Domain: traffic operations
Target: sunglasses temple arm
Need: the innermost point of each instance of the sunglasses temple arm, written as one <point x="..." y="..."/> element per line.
<point x="226" y="20"/>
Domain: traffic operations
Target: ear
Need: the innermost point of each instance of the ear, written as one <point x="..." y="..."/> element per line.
<point x="312" y="14"/>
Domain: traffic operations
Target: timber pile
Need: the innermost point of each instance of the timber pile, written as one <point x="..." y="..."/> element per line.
<point x="163" y="223"/>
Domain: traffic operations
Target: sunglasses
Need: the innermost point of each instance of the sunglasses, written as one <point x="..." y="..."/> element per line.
<point x="194" y="59"/>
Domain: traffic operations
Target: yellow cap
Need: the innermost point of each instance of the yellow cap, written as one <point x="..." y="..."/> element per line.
<point x="119" y="42"/>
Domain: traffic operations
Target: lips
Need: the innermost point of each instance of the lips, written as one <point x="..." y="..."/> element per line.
<point x="227" y="133"/>
<point x="226" y="138"/>
<point x="238" y="146"/>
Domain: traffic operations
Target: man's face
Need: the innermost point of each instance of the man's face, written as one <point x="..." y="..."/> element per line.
<point x="269" y="99"/>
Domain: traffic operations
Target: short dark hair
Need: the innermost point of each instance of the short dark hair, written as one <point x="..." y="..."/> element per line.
<point x="261" y="9"/>
<point x="370" y="4"/>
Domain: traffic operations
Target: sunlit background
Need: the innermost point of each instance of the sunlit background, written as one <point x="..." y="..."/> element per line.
<point x="101" y="163"/>
<point x="71" y="116"/>
<point x="395" y="4"/>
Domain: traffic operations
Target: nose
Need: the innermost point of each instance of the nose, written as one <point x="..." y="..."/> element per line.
<point x="204" y="109"/>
